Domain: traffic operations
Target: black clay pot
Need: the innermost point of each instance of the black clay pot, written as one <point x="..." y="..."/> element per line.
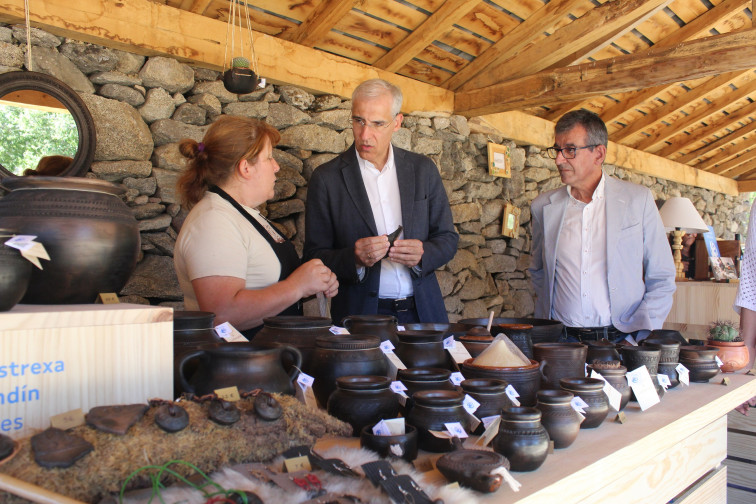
<point x="15" y="271"/>
<point x="669" y="349"/>
<point x="634" y="357"/>
<point x="522" y="439"/>
<point x="247" y="366"/>
<point x="396" y="445"/>
<point x="590" y="390"/>
<point x="601" y="350"/>
<point x="421" y="349"/>
<point x="520" y="336"/>
<point x="544" y="330"/>
<point x="240" y="80"/>
<point x="347" y="355"/>
<point x="91" y="236"/>
<point x="431" y="410"/>
<point x="491" y="394"/>
<point x="363" y="400"/>
<point x="560" y="360"/>
<point x="526" y="380"/>
<point x="417" y="379"/>
<point x="617" y="378"/>
<point x="191" y="330"/>
<point x="558" y="417"/>
<point x="670" y="370"/>
<point x="297" y="331"/>
<point x="383" y="326"/>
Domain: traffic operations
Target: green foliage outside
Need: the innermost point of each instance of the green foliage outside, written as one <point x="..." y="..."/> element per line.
<point x="26" y="135"/>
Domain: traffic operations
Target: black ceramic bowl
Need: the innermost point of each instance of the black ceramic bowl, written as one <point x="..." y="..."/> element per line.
<point x="700" y="371"/>
<point x="698" y="352"/>
<point x="397" y="445"/>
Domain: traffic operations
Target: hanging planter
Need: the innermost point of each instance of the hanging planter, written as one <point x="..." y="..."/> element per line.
<point x="241" y="78"/>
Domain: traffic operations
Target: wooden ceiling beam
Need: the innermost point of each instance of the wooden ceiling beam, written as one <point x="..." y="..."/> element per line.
<point x="680" y="101"/>
<point x="149" y="28"/>
<point x="745" y="186"/>
<point x="571" y="42"/>
<point x="700" y="115"/>
<point x="729" y="121"/>
<point x="542" y="20"/>
<point x="698" y="27"/>
<point x="688" y="60"/>
<point x="731" y="166"/>
<point x="422" y="36"/>
<point x="733" y="136"/>
<point x="725" y="154"/>
<point x="200" y="6"/>
<point x="313" y="29"/>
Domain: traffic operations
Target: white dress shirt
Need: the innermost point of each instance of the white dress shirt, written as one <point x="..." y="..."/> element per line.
<point x="383" y="192"/>
<point x="581" y="288"/>
<point x="747" y="287"/>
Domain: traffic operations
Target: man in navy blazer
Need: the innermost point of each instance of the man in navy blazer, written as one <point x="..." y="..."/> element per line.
<point x="355" y="200"/>
<point x="600" y="259"/>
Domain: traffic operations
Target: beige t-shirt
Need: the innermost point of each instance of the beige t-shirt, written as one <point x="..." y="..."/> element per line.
<point x="216" y="240"/>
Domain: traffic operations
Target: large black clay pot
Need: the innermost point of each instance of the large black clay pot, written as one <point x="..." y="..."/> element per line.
<point x="544" y="330"/>
<point x="363" y="400"/>
<point x="560" y="360"/>
<point x="421" y="349"/>
<point x="91" y="236"/>
<point x="14" y="273"/>
<point x="295" y="330"/>
<point x="247" y="366"/>
<point x="383" y="326"/>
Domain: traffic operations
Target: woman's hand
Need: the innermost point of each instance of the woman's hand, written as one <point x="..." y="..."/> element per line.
<point x="313" y="277"/>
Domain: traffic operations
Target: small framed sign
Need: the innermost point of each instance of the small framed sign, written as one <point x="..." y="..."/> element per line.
<point x="510" y="225"/>
<point x="499" y="160"/>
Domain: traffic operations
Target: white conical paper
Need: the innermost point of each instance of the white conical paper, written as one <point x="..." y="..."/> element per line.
<point x="501" y="353"/>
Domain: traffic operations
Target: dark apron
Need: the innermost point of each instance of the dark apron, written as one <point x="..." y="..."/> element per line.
<point x="285" y="252"/>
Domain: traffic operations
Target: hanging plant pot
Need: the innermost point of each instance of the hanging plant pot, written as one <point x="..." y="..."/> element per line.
<point x="240" y="79"/>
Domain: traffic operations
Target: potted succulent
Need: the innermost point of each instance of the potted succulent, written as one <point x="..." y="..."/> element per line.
<point x="732" y="350"/>
<point x="240" y="79"/>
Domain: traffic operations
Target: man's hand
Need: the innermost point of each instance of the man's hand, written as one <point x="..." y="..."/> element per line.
<point x="743" y="408"/>
<point x="370" y="250"/>
<point x="406" y="252"/>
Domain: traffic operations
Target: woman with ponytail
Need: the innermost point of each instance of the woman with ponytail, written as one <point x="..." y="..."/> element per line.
<point x="229" y="259"/>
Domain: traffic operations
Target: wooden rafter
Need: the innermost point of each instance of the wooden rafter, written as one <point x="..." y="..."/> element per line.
<point x="319" y="23"/>
<point x="735" y="167"/>
<point x="747" y="185"/>
<point x="733" y="136"/>
<point x="200" y="6"/>
<point x="573" y="41"/>
<point x="436" y="24"/>
<point x="727" y="153"/>
<point x="688" y="60"/>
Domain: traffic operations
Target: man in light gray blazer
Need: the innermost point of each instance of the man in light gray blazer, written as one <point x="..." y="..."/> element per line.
<point x="600" y="259"/>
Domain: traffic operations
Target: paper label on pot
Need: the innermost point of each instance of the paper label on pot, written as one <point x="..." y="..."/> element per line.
<point x="682" y="374"/>
<point x="449" y="343"/>
<point x="458" y="352"/>
<point x="339" y="330"/>
<point x="664" y="381"/>
<point x="643" y="387"/>
<point x="230" y="394"/>
<point x="512" y="394"/>
<point x="578" y="404"/>
<point x="394" y="364"/>
<point x="400" y="328"/>
<point x="470" y="404"/>
<point x="381" y="429"/>
<point x="612" y="394"/>
<point x="229" y="333"/>
<point x="107" y="298"/>
<point x="456" y="378"/>
<point x="456" y="429"/>
<point x="21" y="242"/>
<point x="387" y="347"/>
<point x="304" y="391"/>
<point x="399" y="388"/>
<point x="492" y="429"/>
<point x="396" y="426"/>
<point x="719" y="361"/>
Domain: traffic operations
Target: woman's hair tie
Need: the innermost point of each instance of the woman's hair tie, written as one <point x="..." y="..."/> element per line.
<point x="201" y="147"/>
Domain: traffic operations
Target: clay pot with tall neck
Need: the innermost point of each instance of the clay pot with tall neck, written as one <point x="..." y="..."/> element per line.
<point x="91" y="236"/>
<point x="297" y="331"/>
<point x="247" y="366"/>
<point x="560" y="360"/>
<point x="421" y="349"/>
<point x="383" y="326"/>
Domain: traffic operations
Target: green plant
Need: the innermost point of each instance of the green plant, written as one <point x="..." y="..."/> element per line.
<point x="723" y="330"/>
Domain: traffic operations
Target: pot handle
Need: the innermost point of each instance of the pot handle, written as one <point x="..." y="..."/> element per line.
<point x="185" y="385"/>
<point x="296" y="356"/>
<point x="542" y="368"/>
<point x="347" y="324"/>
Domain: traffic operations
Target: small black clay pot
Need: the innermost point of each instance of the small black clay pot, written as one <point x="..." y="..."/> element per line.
<point x="601" y="350"/>
<point x="670" y="349"/>
<point x="590" y="390"/>
<point x="558" y="417"/>
<point x="491" y="394"/>
<point x="424" y="348"/>
<point x="396" y="445"/>
<point x="522" y="439"/>
<point x="617" y="378"/>
<point x="363" y="400"/>
<point x="634" y="357"/>
<point x="431" y="410"/>
<point x="526" y="380"/>
<point x="240" y="80"/>
<point x="702" y="352"/>
<point x="700" y="370"/>
<point x="669" y="369"/>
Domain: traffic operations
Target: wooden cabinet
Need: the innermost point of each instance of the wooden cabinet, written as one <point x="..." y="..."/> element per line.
<point x="698" y="304"/>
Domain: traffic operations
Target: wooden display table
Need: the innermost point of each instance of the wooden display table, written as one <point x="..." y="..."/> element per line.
<point x="674" y="450"/>
<point x="54" y="359"/>
<point x="697" y="304"/>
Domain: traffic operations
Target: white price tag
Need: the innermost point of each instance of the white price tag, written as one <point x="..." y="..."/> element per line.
<point x="512" y="394"/>
<point x="400" y="328"/>
<point x="229" y="333"/>
<point x="304" y="392"/>
<point x="682" y="373"/>
<point x="339" y="330"/>
<point x="487" y="420"/>
<point x="387" y="347"/>
<point x="614" y="396"/>
<point x="449" y="343"/>
<point x="456" y="429"/>
<point x="305" y="380"/>
<point x="395" y="426"/>
<point x="470" y="404"/>
<point x="381" y="429"/>
<point x="456" y="378"/>
<point x="492" y="429"/>
<point x="664" y="381"/>
<point x="21" y="242"/>
<point x="643" y="387"/>
<point x="719" y="361"/>
<point x="578" y="404"/>
<point x="398" y="387"/>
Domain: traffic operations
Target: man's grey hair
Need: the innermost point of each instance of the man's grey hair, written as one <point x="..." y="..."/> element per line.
<point x="374" y="88"/>
<point x="594" y="126"/>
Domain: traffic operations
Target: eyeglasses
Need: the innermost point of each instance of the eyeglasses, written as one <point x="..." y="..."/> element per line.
<point x="567" y="152"/>
<point x="375" y="125"/>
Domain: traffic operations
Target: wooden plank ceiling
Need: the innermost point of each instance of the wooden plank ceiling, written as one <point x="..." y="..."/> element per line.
<point x="631" y="61"/>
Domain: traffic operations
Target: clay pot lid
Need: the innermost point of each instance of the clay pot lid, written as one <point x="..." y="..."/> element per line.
<point x="367" y="382"/>
<point x="423" y="374"/>
<point x="581" y="384"/>
<point x="438" y="397"/>
<point x="348" y="342"/>
<point x="477" y="333"/>
<point x="297" y="322"/>
<point x="376" y="319"/>
<point x="533" y="364"/>
<point x="171" y="417"/>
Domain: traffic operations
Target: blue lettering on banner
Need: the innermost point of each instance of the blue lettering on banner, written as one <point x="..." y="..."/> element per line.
<point x="35" y="368"/>
<point x="11" y="424"/>
<point x="19" y="395"/>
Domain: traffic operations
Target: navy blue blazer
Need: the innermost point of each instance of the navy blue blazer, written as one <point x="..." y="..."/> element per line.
<point x="338" y="213"/>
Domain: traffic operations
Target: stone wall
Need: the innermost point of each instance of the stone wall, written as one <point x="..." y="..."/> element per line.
<point x="142" y="107"/>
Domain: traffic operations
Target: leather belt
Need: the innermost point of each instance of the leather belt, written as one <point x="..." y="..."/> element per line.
<point x="397" y="305"/>
<point x="593" y="333"/>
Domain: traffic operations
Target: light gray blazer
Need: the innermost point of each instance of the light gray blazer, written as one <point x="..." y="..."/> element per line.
<point x="640" y="267"/>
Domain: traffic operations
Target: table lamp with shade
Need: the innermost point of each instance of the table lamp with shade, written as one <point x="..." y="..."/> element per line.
<point x="680" y="216"/>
